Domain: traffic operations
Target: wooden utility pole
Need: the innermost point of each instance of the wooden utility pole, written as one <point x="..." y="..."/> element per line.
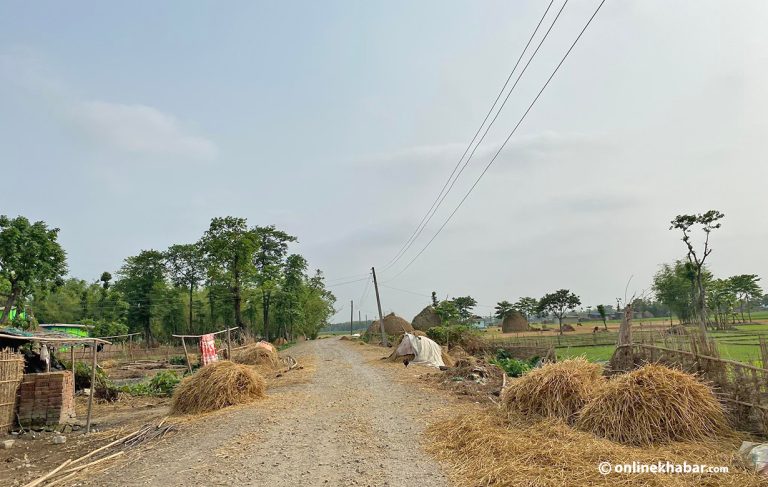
<point x="381" y="315"/>
<point x="351" y="315"/>
<point x="359" y="321"/>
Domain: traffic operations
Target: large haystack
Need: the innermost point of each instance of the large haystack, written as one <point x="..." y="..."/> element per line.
<point x="556" y="390"/>
<point x="654" y="404"/>
<point x="514" y="322"/>
<point x="426" y="319"/>
<point x="393" y="325"/>
<point x="255" y="354"/>
<point x="217" y="386"/>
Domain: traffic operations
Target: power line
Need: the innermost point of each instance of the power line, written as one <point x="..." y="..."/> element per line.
<point x="496" y="155"/>
<point x="438" y="201"/>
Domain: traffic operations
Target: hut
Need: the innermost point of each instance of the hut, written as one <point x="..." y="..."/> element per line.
<point x="426" y="319"/>
<point x="393" y="325"/>
<point x="514" y="322"/>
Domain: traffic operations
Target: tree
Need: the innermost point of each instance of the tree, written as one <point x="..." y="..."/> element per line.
<point x="268" y="260"/>
<point x="504" y="309"/>
<point x="708" y="221"/>
<point x="317" y="305"/>
<point x="142" y="282"/>
<point x="229" y="247"/>
<point x="434" y="299"/>
<point x="288" y="304"/>
<point x="721" y="299"/>
<point x="675" y="286"/>
<point x="558" y="303"/>
<point x="185" y="266"/>
<point x="527" y="306"/>
<point x="603" y="316"/>
<point x="464" y="305"/>
<point x="30" y="258"/>
<point x="447" y="311"/>
<point x="747" y="290"/>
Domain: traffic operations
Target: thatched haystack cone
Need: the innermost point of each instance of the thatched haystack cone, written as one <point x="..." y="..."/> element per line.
<point x="654" y="404"/>
<point x="255" y="354"/>
<point x="514" y="322"/>
<point x="556" y="390"/>
<point x="393" y="325"/>
<point x="216" y="386"/>
<point x="426" y="319"/>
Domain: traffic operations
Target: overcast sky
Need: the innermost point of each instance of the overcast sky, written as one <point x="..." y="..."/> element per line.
<point x="130" y="125"/>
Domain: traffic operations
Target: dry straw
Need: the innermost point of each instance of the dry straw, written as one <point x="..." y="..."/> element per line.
<point x="654" y="404"/>
<point x="556" y="390"/>
<point x="217" y="386"/>
<point x="485" y="448"/>
<point x="255" y="355"/>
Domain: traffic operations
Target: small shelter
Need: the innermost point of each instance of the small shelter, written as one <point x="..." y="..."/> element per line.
<point x="424" y="350"/>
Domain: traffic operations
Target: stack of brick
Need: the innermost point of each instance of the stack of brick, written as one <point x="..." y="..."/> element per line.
<point x="46" y="399"/>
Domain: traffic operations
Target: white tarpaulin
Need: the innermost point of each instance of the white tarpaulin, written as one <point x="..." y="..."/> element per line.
<point x="424" y="350"/>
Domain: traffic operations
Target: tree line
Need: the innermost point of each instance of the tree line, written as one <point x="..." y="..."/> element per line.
<point x="234" y="275"/>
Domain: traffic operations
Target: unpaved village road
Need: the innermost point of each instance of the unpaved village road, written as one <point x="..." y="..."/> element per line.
<point x="351" y="423"/>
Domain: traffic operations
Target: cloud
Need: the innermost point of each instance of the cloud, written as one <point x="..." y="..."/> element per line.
<point x="139" y="129"/>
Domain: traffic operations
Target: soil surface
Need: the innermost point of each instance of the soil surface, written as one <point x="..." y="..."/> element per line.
<point x="347" y="418"/>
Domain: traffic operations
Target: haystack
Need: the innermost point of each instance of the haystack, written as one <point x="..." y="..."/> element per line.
<point x="556" y="390"/>
<point x="255" y="354"/>
<point x="426" y="319"/>
<point x="514" y="322"/>
<point x="567" y="327"/>
<point x="217" y="386"/>
<point x="654" y="404"/>
<point x="280" y="342"/>
<point x="393" y="325"/>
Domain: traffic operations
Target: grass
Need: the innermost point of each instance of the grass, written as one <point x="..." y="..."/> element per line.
<point x="600" y="353"/>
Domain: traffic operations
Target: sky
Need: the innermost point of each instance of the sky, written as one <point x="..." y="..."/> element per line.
<point x="129" y="126"/>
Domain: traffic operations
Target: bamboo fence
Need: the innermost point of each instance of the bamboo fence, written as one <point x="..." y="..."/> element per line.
<point x="11" y="372"/>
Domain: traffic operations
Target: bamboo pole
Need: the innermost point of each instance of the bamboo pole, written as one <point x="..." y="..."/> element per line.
<point x="42" y="479"/>
<point x="93" y="390"/>
<point x="186" y="355"/>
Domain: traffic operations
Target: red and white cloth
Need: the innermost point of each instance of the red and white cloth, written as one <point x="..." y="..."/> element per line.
<point x="208" y="349"/>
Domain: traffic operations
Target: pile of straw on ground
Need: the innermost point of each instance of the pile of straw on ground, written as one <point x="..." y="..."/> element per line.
<point x="280" y="342"/>
<point x="255" y="354"/>
<point x="217" y="386"/>
<point x="654" y="404"/>
<point x="556" y="390"/>
<point x="484" y="448"/>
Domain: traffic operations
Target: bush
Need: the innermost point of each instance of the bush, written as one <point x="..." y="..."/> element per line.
<point x="83" y="376"/>
<point x="162" y="384"/>
<point x="177" y="360"/>
<point x="451" y="334"/>
<point x="512" y="366"/>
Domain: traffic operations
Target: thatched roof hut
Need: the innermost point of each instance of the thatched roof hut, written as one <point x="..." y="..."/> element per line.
<point x="426" y="319"/>
<point x="393" y="325"/>
<point x="515" y="321"/>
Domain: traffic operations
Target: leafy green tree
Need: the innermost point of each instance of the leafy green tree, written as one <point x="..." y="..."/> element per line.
<point x="142" y="282"/>
<point x="559" y="303"/>
<point x="448" y="312"/>
<point x="464" y="305"/>
<point x="503" y="309"/>
<point x="722" y="300"/>
<point x="30" y="258"/>
<point x="675" y="286"/>
<point x="527" y="307"/>
<point x="185" y="266"/>
<point x="707" y="221"/>
<point x="603" y="315"/>
<point x="434" y="299"/>
<point x="229" y="247"/>
<point x="747" y="290"/>
<point x="288" y="303"/>
<point x="269" y="260"/>
<point x="317" y="305"/>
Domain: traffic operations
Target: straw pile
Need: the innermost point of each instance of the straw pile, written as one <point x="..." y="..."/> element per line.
<point x="513" y="322"/>
<point x="483" y="448"/>
<point x="255" y="354"/>
<point x="426" y="319"/>
<point x="393" y="325"/>
<point x="217" y="386"/>
<point x="654" y="404"/>
<point x="280" y="342"/>
<point x="556" y="390"/>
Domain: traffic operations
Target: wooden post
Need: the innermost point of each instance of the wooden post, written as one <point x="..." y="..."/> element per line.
<point x="381" y="315"/>
<point x="93" y="389"/>
<point x="186" y="355"/>
<point x="229" y="345"/>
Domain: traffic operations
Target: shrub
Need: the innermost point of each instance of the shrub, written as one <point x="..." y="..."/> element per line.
<point x="162" y="384"/>
<point x="451" y="334"/>
<point x="512" y="366"/>
<point x="177" y="360"/>
<point x="83" y="376"/>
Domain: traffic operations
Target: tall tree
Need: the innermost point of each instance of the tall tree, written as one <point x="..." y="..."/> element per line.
<point x="30" y="258"/>
<point x="464" y="305"/>
<point x="747" y="290"/>
<point x="229" y="248"/>
<point x="289" y="298"/>
<point x="186" y="268"/>
<point x="707" y="221"/>
<point x="269" y="260"/>
<point x="603" y="316"/>
<point x="558" y="303"/>
<point x="675" y="286"/>
<point x="141" y="280"/>
<point x="503" y="309"/>
<point x="527" y="307"/>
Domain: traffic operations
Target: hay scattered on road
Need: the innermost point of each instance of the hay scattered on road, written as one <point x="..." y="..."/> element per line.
<point x="255" y="354"/>
<point x="485" y="448"/>
<point x="217" y="386"/>
<point x="654" y="404"/>
<point x="556" y="390"/>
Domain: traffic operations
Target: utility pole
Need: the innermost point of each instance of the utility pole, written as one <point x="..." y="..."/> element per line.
<point x="359" y="321"/>
<point x="381" y="315"/>
<point x="351" y="315"/>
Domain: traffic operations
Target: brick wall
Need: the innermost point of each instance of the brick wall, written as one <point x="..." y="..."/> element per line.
<point x="46" y="399"/>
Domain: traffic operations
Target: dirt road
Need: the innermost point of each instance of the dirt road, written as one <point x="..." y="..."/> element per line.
<point x="351" y="423"/>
